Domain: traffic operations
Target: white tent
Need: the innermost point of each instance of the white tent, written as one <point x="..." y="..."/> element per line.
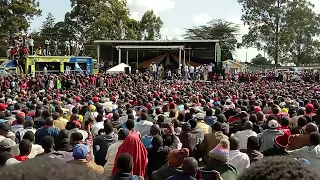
<point x="118" y="68"/>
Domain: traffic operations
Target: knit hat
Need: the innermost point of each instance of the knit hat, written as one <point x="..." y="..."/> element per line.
<point x="176" y="157"/>
<point x="221" y="151"/>
<point x="282" y="140"/>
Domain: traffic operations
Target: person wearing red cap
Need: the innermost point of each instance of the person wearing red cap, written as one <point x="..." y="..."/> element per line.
<point x="95" y="99"/>
<point x="309" y="110"/>
<point x="3" y="107"/>
<point x="279" y="148"/>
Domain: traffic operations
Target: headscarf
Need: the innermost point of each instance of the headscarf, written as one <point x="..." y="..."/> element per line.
<point x="133" y="145"/>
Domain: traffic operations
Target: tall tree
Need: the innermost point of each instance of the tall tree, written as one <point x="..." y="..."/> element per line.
<point x="222" y="30"/>
<point x="272" y="23"/>
<point x="47" y="28"/>
<point x="150" y="25"/>
<point x="15" y="17"/>
<point x="303" y="44"/>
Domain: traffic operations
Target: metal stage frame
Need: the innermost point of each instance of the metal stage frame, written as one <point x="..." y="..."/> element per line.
<point x="181" y="47"/>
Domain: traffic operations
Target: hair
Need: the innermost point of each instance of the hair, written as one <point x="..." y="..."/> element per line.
<point x="76" y="137"/>
<point x="130" y="124"/>
<point x="193" y="123"/>
<point x="25" y="147"/>
<point x="302" y="121"/>
<point x="51" y="169"/>
<point x="108" y="128"/>
<point x="217" y="126"/>
<point x="28" y="124"/>
<point x="29" y="135"/>
<point x="47" y="143"/>
<point x="20" y="119"/>
<point x="314" y="138"/>
<point x="125" y="163"/>
<point x="4" y="156"/>
<point x="49" y="121"/>
<point x="253" y="142"/>
<point x="276" y="167"/>
<point x="234" y="143"/>
<point x="285" y="121"/>
<point x="99" y="118"/>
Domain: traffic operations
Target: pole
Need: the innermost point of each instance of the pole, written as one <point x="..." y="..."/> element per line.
<point x="127" y="57"/>
<point x="119" y="60"/>
<point x="137" y="59"/>
<point x="98" y="54"/>
<point x="179" y="57"/>
<point x="189" y="54"/>
<point x="184" y="57"/>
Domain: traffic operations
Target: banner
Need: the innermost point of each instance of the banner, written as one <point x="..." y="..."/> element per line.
<point x="77" y="68"/>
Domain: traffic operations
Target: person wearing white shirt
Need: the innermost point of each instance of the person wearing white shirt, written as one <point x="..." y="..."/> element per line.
<point x="67" y="47"/>
<point x="30" y="45"/>
<point x="154" y="71"/>
<point x="191" y="71"/>
<point x="97" y="126"/>
<point x="245" y="134"/>
<point x="238" y="159"/>
<point x="144" y="126"/>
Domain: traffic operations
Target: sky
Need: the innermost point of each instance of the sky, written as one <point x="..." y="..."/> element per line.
<point x="177" y="15"/>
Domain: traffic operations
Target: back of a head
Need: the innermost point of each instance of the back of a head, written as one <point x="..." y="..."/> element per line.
<point x="310" y="128"/>
<point x="248" y="125"/>
<point x="302" y="121"/>
<point x="130" y="124"/>
<point x="217" y="126"/>
<point x="47" y="143"/>
<point x="278" y="167"/>
<point x="193" y="122"/>
<point x="190" y="166"/>
<point x="51" y="169"/>
<point x="125" y="163"/>
<point x="314" y="138"/>
<point x="29" y="135"/>
<point x="108" y="128"/>
<point x="253" y="143"/>
<point x="28" y="124"/>
<point x="49" y="121"/>
<point x="234" y="143"/>
<point x="25" y="147"/>
<point x="20" y="119"/>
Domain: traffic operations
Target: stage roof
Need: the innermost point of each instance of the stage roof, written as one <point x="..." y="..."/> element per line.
<point x="152" y="42"/>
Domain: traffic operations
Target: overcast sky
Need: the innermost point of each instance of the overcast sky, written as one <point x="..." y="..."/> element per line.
<point x="176" y="15"/>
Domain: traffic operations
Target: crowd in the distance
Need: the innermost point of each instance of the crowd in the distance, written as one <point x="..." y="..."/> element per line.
<point x="125" y="127"/>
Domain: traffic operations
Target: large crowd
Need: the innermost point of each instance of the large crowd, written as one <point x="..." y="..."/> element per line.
<point x="129" y="127"/>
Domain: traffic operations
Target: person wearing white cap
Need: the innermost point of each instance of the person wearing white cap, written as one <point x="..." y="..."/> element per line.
<point x="268" y="135"/>
<point x="201" y="124"/>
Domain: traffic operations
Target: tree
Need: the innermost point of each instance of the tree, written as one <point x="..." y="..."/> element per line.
<point x="150" y="26"/>
<point x="218" y="29"/>
<point x="273" y="24"/>
<point x="15" y="17"/>
<point x="260" y="60"/>
<point x="47" y="28"/>
<point x="304" y="46"/>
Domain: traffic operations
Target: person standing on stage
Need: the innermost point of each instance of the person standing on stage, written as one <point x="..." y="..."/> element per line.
<point x="154" y="71"/>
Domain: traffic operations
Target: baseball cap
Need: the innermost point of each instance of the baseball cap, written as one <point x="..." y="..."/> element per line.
<point x="273" y="124"/>
<point x="5" y="126"/>
<point x="3" y="107"/>
<point x="199" y="116"/>
<point x="80" y="151"/>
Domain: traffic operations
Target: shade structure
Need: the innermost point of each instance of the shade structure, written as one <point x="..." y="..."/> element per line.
<point x="118" y="68"/>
